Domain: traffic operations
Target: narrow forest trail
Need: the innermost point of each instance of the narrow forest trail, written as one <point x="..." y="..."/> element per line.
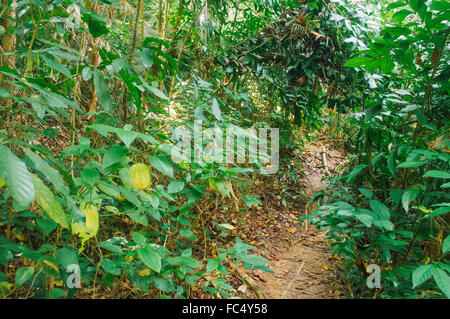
<point x="297" y="253"/>
<point x="301" y="270"/>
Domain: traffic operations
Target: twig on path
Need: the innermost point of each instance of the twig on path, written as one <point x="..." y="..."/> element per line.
<point x="290" y="283"/>
<point x="324" y="161"/>
<point x="259" y="292"/>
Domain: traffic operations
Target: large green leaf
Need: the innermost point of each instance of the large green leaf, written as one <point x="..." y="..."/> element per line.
<point x="114" y="155"/>
<point x="23" y="275"/>
<point x="254" y="260"/>
<point x="16" y="176"/>
<point x="446" y="245"/>
<point x="355" y="172"/>
<point x="150" y="258"/>
<point x="146" y="56"/>
<point x="66" y="257"/>
<point x="56" y="66"/>
<point x="357" y="62"/>
<point x="49" y="172"/>
<point x="421" y="274"/>
<point x="380" y="209"/>
<point x="102" y="90"/>
<point x="409" y="195"/>
<point x="109" y="266"/>
<point x="437" y="174"/>
<point x="175" y="186"/>
<point x="161" y="165"/>
<point x="442" y="280"/>
<point x="47" y="202"/>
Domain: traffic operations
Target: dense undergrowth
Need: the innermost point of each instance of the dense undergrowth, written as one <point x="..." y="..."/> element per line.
<point x="391" y="208"/>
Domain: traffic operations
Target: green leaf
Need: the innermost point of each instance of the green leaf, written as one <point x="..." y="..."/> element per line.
<point x="56" y="66"/>
<point x="355" y="172"/>
<point x="212" y="265"/>
<point x="47" y="225"/>
<point x="161" y="165"/>
<point x="409" y="195"/>
<point x="175" y="186"/>
<point x="442" y="280"/>
<point x="139" y="238"/>
<point x="401" y="15"/>
<point x="146" y="57"/>
<point x="163" y="285"/>
<point x="184" y="261"/>
<point x="57" y="293"/>
<point x="47" y="202"/>
<point x="16" y="176"/>
<point x="184" y="232"/>
<point x="411" y="164"/>
<point x="66" y="257"/>
<point x="23" y="275"/>
<point x="102" y="90"/>
<point x="216" y="110"/>
<point x="151" y="258"/>
<point x="126" y="135"/>
<point x="52" y="175"/>
<point x="138" y="218"/>
<point x="437" y="212"/>
<point x="220" y="186"/>
<point x="254" y="260"/>
<point x="446" y="245"/>
<point x="421" y="274"/>
<point x="157" y="92"/>
<point x="437" y="174"/>
<point x="109" y="266"/>
<point x="111" y="247"/>
<point x="366" y="192"/>
<point x="357" y="62"/>
<point x="380" y="209"/>
<point x="90" y="175"/>
<point x="395" y="5"/>
<point x="114" y="155"/>
<point x="386" y="65"/>
<point x="86" y="74"/>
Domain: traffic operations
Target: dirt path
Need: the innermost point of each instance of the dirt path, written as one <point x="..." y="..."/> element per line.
<point x="301" y="260"/>
<point x="302" y="270"/>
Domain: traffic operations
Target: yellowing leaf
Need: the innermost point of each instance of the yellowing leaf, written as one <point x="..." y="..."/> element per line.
<point x="145" y="272"/>
<point x="46" y="200"/>
<point x="227" y="226"/>
<point x="90" y="228"/>
<point x="120" y="198"/>
<point x="2" y="183"/>
<point x="140" y="176"/>
<point x="291" y="230"/>
<point x="52" y="265"/>
<point x="20" y="236"/>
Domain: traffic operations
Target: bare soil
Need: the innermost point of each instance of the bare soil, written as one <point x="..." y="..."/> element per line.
<point x="297" y="253"/>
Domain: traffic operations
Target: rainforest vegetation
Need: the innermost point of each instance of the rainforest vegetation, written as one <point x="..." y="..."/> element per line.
<point x="95" y="96"/>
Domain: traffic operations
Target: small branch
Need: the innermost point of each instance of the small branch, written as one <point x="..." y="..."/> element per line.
<point x="259" y="292"/>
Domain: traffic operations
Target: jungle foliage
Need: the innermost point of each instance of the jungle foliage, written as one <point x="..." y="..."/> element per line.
<point x="391" y="208"/>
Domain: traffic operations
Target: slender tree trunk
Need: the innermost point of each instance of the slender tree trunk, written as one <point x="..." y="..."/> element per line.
<point x="8" y="41"/>
<point x="166" y="20"/>
<point x="7" y="53"/>
<point x="160" y="18"/>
